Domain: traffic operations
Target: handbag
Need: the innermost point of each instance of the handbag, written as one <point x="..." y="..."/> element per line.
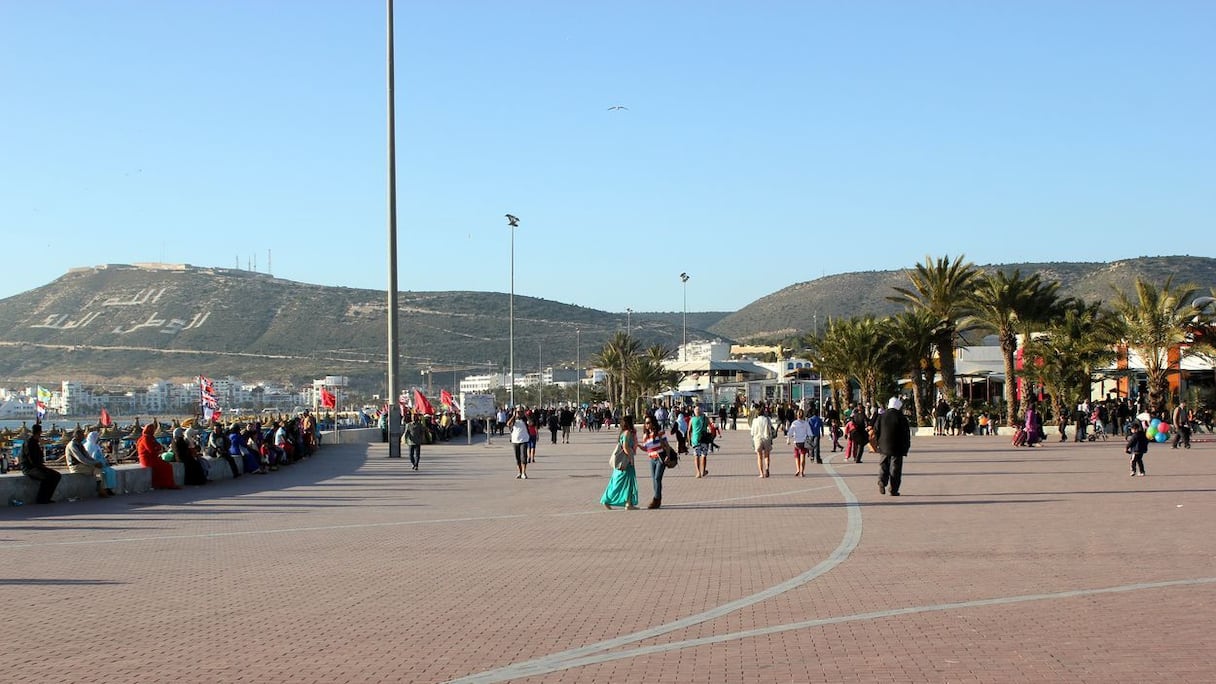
<point x="670" y="458"/>
<point x="619" y="460"/>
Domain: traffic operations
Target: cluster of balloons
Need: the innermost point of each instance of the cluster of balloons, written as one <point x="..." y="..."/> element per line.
<point x="1158" y="430"/>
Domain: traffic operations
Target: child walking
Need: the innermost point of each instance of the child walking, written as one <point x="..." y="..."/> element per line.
<point x="1137" y="445"/>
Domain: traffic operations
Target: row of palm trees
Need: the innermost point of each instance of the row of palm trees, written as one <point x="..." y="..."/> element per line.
<point x="633" y="373"/>
<point x="1063" y="340"/>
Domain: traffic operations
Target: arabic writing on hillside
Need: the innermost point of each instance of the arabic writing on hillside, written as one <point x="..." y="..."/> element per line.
<point x="169" y="325"/>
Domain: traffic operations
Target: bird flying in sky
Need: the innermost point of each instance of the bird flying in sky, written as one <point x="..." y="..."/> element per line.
<point x="613" y="108"/>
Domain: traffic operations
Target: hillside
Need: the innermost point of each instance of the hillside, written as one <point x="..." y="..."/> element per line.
<point x="799" y="308"/>
<point x="135" y="322"/>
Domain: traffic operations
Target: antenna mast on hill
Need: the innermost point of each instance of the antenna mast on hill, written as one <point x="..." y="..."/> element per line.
<point x="268" y="269"/>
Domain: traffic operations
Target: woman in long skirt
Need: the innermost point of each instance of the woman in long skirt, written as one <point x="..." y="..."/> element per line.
<point x="622" y="489"/>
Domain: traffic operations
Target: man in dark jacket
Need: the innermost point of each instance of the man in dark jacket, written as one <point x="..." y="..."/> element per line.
<point x="894" y="439"/>
<point x="33" y="464"/>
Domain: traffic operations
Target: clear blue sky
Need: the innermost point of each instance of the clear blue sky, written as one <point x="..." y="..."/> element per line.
<point x="765" y="143"/>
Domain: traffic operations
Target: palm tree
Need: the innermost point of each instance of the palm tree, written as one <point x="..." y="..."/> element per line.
<point x="912" y="334"/>
<point x="1008" y="304"/>
<point x="1157" y="322"/>
<point x="827" y="355"/>
<point x="648" y="373"/>
<point x="943" y="288"/>
<point x="1064" y="356"/>
<point x="617" y="355"/>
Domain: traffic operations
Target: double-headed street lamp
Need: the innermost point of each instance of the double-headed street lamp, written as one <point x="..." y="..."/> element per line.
<point x="512" y="223"/>
<point x="684" y="347"/>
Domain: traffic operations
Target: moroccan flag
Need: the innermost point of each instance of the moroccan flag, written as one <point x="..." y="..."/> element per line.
<point x="328" y="400"/>
<point x="421" y="405"/>
<point x="105" y="418"/>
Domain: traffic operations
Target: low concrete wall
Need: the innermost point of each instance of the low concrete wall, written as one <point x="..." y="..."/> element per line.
<point x="132" y="479"/>
<point x="72" y="486"/>
<point x="353" y="436"/>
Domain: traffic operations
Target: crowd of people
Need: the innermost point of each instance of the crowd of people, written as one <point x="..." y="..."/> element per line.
<point x="260" y="448"/>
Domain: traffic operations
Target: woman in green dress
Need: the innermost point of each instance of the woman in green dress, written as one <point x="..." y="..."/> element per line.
<point x="622" y="489"/>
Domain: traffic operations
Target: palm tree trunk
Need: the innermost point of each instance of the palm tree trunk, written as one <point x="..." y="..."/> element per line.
<point x="945" y="357"/>
<point x="1009" y="347"/>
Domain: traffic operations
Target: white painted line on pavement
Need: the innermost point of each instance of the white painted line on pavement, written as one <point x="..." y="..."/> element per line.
<point x="562" y="660"/>
<point x="539" y="667"/>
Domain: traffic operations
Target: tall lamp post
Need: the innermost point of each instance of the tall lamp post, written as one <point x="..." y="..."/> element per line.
<point x="629" y="321"/>
<point x="684" y="347"/>
<point x="512" y="223"/>
<point x="394" y="413"/>
<point x="578" y="368"/>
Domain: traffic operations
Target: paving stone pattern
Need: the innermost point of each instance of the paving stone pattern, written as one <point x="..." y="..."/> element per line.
<point x="996" y="565"/>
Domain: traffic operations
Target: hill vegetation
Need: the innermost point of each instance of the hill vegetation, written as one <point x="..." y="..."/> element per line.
<point x="134" y="323"/>
<point x="803" y="307"/>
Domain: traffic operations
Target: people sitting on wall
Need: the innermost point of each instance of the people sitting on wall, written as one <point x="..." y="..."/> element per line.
<point x="79" y="460"/>
<point x="33" y="465"/>
<point x="149" y="451"/>
<point x="184" y="452"/>
<point x="109" y="476"/>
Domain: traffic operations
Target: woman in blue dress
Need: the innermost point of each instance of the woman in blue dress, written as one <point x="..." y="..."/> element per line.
<point x="622" y="489"/>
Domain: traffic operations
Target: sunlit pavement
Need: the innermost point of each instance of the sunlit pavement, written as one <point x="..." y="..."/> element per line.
<point x="997" y="564"/>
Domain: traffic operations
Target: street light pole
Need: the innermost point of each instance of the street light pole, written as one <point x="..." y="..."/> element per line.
<point x="628" y="321"/>
<point x="578" y="367"/>
<point x="684" y="347"/>
<point x="394" y="413"/>
<point x="512" y="223"/>
<point x="540" y="377"/>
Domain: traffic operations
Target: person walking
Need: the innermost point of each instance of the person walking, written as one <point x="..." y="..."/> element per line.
<point x="518" y="425"/>
<point x="654" y="443"/>
<point x="1137" y="446"/>
<point x="762" y="440"/>
<point x="815" y="424"/>
<point x="800" y="434"/>
<point x="859" y="436"/>
<point x="1181" y="422"/>
<point x="698" y="440"/>
<point x="894" y="437"/>
<point x="33" y="466"/>
<point x="415" y="436"/>
<point x="622" y="489"/>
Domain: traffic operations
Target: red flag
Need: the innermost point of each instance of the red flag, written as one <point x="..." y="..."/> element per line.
<point x="328" y="400"/>
<point x="421" y="405"/>
<point x="105" y="418"/>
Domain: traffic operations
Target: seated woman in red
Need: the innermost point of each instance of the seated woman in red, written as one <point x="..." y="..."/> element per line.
<point x="149" y="451"/>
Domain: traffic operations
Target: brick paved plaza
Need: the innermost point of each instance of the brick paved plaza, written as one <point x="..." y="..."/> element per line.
<point x="996" y="565"/>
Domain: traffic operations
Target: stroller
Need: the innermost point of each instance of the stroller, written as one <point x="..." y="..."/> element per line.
<point x="1096" y="431"/>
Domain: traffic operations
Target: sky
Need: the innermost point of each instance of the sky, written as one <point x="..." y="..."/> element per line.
<point x="762" y="143"/>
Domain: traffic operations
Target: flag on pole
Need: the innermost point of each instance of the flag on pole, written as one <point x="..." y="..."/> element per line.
<point x="328" y="399"/>
<point x="445" y="397"/>
<point x="421" y="405"/>
<point x="105" y="418"/>
<point x="207" y="398"/>
<point x="42" y="401"/>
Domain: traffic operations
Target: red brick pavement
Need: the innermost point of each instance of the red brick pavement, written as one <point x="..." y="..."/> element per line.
<point x="996" y="565"/>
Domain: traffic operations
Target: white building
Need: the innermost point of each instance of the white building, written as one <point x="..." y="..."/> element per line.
<point x="477" y="384"/>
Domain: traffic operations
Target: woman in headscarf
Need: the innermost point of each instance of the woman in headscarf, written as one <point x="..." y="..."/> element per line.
<point x="109" y="476"/>
<point x="183" y="451"/>
<point x="149" y="451"/>
<point x="80" y="461"/>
